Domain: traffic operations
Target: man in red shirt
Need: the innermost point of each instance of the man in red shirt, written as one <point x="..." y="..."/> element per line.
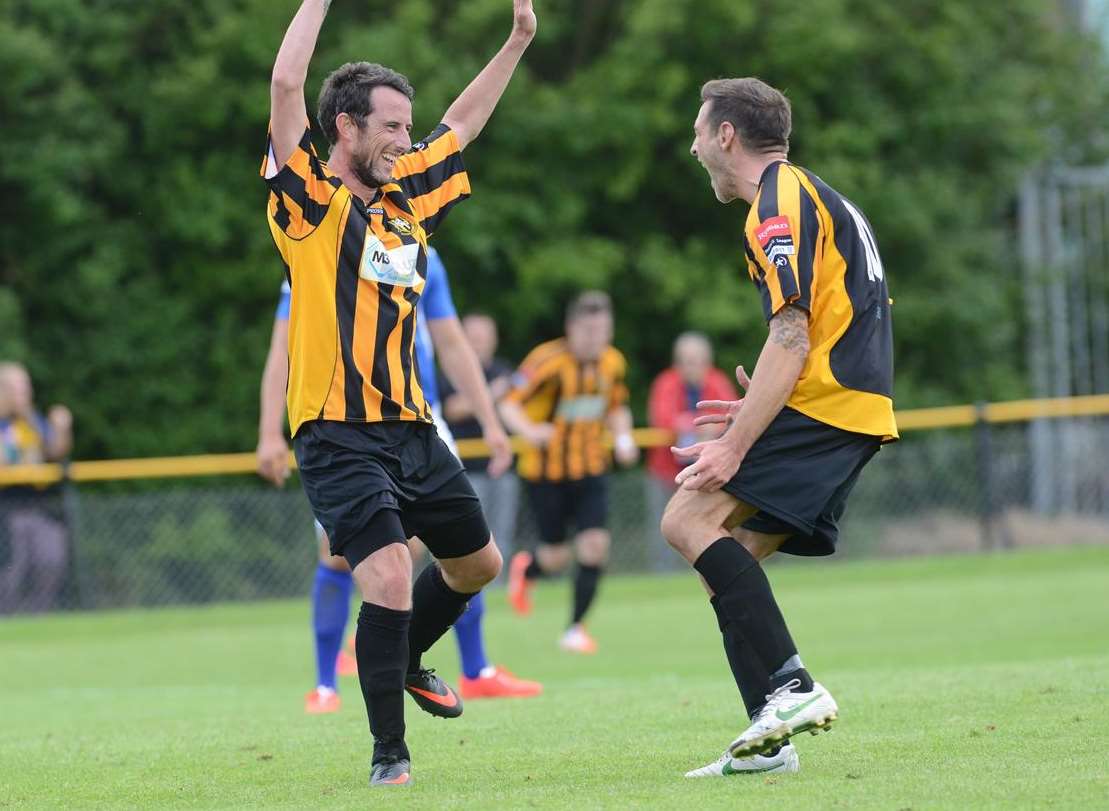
<point x="672" y="406"/>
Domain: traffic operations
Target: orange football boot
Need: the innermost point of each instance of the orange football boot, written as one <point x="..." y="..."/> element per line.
<point x="577" y="640"/>
<point x="519" y="587"/>
<point x="500" y="684"/>
<point x="321" y="701"/>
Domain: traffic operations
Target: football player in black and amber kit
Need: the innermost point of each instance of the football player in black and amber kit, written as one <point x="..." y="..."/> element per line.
<point x="353" y="234"/>
<point x="817" y="408"/>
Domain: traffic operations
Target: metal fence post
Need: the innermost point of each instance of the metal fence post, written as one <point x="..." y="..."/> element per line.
<point x="983" y="456"/>
<point x="71" y="510"/>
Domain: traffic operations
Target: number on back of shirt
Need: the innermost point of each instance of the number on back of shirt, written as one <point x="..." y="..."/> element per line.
<point x="874" y="270"/>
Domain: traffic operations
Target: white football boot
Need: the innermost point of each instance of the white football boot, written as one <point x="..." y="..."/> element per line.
<point x="785" y="760"/>
<point x="785" y="714"/>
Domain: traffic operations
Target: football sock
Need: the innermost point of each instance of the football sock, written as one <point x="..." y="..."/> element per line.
<point x="534" y="571"/>
<point x="471" y="644"/>
<point x="381" y="646"/>
<point x="330" y="611"/>
<point x="435" y="608"/>
<point x="747" y="668"/>
<point x="745" y="598"/>
<point x="792" y="669"/>
<point x="585" y="590"/>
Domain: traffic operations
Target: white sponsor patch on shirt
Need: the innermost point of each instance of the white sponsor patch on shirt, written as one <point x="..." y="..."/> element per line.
<point x="396" y="266"/>
<point x="584" y="408"/>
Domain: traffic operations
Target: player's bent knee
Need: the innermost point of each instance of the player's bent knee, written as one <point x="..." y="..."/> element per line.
<point x="675" y="527"/>
<point x="474" y="571"/>
<point x="593" y="546"/>
<point x="490" y="562"/>
<point x="336" y="563"/>
<point x="554" y="558"/>
<point x="385" y="577"/>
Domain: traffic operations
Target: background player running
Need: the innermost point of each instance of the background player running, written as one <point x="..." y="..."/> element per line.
<point x="817" y="408"/>
<point x="566" y="393"/>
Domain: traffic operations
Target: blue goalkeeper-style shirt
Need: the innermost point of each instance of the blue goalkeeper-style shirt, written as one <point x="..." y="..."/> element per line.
<point x="435" y="303"/>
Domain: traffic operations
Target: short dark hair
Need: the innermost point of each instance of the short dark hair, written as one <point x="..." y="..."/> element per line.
<point x="347" y="90"/>
<point x="760" y="114"/>
<point x="591" y="302"/>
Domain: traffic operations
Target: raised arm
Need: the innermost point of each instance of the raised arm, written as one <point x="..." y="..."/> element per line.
<point x="470" y="111"/>
<point x="290" y="70"/>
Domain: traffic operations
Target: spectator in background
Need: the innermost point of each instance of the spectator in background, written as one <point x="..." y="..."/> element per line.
<point x="672" y="406"/>
<point x="36" y="564"/>
<point x="499" y="495"/>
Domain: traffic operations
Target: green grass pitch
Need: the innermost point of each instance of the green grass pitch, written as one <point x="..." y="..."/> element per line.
<point x="963" y="682"/>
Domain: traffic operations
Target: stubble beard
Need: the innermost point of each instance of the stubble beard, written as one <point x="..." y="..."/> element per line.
<point x="370" y="177"/>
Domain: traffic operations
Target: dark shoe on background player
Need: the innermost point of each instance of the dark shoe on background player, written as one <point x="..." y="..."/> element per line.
<point x="432" y="694"/>
<point x="391" y="771"/>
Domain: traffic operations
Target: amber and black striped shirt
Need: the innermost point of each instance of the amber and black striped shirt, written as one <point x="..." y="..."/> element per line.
<point x="575" y="396"/>
<point x="356" y="272"/>
<point x="809" y="246"/>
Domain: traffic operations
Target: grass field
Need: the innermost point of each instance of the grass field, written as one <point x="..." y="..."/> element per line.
<point x="963" y="682"/>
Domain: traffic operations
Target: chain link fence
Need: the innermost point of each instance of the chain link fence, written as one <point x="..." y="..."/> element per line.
<point x="160" y="542"/>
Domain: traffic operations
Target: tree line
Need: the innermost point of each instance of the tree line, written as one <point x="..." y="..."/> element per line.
<point x="138" y="278"/>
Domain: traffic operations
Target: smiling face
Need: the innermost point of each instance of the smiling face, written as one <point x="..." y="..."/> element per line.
<point x="383" y="136"/>
<point x="709" y="147"/>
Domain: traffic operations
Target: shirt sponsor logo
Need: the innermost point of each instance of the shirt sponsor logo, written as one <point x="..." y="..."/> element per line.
<point x="774" y="227"/>
<point x="396" y="266"/>
<point x="581" y="409"/>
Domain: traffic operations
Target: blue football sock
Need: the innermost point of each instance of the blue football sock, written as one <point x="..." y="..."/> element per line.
<point x="471" y="644"/>
<point x="330" y="610"/>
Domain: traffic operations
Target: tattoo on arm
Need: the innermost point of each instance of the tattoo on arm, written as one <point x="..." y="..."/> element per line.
<point x="789" y="328"/>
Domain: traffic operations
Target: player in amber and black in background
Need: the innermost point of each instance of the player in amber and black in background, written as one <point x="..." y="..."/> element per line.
<point x="353" y="235"/>
<point x="817" y="408"/>
<point x="564" y="396"/>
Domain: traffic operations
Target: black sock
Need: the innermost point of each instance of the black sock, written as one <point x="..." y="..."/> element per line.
<point x="747" y="668"/>
<point x="435" y="607"/>
<point x="585" y="590"/>
<point x="381" y="646"/>
<point x="790" y="671"/>
<point x="534" y="571"/>
<point x="745" y="598"/>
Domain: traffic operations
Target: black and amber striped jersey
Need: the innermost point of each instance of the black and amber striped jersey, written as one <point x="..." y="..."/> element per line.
<point x="809" y="246"/>
<point x="356" y="271"/>
<point x="575" y="396"/>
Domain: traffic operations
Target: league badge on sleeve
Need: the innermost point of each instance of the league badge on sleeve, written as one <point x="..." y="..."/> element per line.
<point x="775" y="236"/>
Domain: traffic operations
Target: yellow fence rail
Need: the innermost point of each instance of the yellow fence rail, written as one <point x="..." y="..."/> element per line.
<point x="917" y="419"/>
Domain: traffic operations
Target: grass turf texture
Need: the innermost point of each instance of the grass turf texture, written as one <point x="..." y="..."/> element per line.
<point x="963" y="682"/>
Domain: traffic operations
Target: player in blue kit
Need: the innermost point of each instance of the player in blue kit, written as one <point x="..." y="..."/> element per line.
<point x="437" y="327"/>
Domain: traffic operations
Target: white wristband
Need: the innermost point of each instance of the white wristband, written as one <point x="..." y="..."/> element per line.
<point x="624" y="442"/>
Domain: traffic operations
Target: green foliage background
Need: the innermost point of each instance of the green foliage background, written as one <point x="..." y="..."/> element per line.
<point x="138" y="279"/>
